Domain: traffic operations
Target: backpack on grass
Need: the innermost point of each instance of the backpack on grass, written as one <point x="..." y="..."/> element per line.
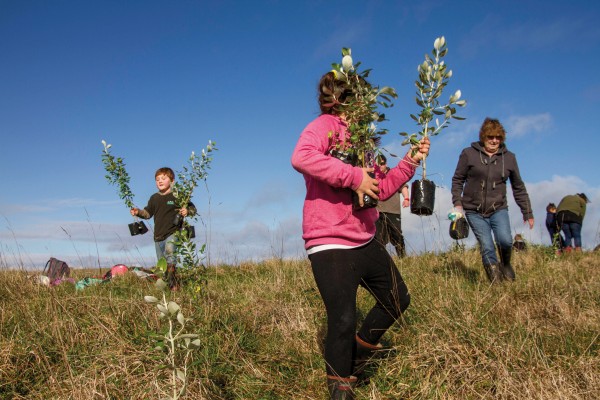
<point x="56" y="269"/>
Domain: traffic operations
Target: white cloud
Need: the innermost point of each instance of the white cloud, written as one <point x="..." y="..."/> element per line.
<point x="247" y="237"/>
<point x="521" y="125"/>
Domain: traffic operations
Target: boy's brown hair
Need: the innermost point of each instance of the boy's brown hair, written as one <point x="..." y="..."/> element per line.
<point x="165" y="171"/>
<point x="491" y="127"/>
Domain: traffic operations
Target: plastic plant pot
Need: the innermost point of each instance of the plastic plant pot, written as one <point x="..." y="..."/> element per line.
<point x="422" y="197"/>
<point x="137" y="228"/>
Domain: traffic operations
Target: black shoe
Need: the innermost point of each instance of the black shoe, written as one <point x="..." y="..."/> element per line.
<point x="493" y="273"/>
<point x="341" y="388"/>
<point x="508" y="272"/>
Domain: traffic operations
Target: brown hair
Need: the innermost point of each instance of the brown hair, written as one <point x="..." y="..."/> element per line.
<point x="491" y="127"/>
<point x="332" y="93"/>
<point x="165" y="171"/>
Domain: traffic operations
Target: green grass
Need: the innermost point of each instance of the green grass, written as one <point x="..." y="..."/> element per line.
<point x="262" y="326"/>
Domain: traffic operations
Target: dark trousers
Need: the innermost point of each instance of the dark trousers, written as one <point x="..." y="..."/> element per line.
<point x="389" y="230"/>
<point x="338" y="274"/>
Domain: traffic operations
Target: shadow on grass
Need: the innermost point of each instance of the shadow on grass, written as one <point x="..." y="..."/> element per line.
<point x="459" y="268"/>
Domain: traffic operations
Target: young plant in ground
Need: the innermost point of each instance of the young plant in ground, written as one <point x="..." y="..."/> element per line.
<point x="434" y="75"/>
<point x="174" y="342"/>
<point x="117" y="175"/>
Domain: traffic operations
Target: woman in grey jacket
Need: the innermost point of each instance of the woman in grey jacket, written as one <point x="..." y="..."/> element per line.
<point x="479" y="190"/>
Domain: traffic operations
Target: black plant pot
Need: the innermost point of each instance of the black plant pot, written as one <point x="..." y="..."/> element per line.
<point x="368" y="201"/>
<point x="191" y="231"/>
<point x="349" y="158"/>
<point x="178" y="220"/>
<point x="137" y="228"/>
<point x="422" y="197"/>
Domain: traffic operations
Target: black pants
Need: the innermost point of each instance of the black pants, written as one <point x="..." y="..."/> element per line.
<point x="389" y="230"/>
<point x="338" y="273"/>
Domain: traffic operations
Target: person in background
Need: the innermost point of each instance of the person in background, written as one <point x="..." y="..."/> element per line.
<point x="479" y="188"/>
<point x="519" y="243"/>
<point x="161" y="206"/>
<point x="553" y="229"/>
<point x="569" y="215"/>
<point x="389" y="224"/>
<point x="339" y="241"/>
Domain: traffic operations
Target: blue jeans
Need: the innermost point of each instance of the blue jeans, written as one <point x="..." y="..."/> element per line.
<point x="482" y="227"/>
<point x="166" y="248"/>
<point x="572" y="230"/>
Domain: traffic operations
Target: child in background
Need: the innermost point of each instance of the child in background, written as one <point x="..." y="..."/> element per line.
<point x="519" y="243"/>
<point x="162" y="206"/>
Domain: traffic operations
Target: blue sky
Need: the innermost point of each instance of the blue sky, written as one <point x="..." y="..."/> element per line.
<point x="158" y="79"/>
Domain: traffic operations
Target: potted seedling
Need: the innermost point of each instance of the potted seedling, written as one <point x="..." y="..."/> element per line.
<point x="117" y="175"/>
<point x="187" y="180"/>
<point x="359" y="108"/>
<point x="434" y="75"/>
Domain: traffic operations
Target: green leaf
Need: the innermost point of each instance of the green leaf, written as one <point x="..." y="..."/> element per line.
<point x="161" y="265"/>
<point x="150" y="299"/>
<point x="162" y="309"/>
<point x="160" y="284"/>
<point x="180" y="374"/>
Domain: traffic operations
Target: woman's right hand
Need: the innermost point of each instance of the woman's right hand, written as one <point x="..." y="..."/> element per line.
<point x="134" y="212"/>
<point x="367" y="186"/>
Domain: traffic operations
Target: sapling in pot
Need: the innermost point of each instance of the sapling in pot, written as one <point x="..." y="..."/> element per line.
<point x="357" y="101"/>
<point x="434" y="75"/>
<point x="187" y="180"/>
<point x="117" y="175"/>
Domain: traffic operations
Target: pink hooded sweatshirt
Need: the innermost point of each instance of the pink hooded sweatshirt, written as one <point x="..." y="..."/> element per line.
<point x="328" y="216"/>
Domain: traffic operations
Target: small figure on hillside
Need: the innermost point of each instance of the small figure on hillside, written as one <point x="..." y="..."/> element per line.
<point x="569" y="216"/>
<point x="339" y="241"/>
<point x="519" y="243"/>
<point x="553" y="229"/>
<point x="167" y="220"/>
<point x="479" y="188"/>
<point x="389" y="224"/>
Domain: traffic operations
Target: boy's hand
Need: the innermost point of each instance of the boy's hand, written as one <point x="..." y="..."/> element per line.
<point x="135" y="211"/>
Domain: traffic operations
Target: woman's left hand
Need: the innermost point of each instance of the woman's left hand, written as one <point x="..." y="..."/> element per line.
<point x="183" y="211"/>
<point x="422" y="150"/>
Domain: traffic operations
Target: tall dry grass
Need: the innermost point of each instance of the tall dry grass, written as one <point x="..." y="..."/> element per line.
<point x="262" y="327"/>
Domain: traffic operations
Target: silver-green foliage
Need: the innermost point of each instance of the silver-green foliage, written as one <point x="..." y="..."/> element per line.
<point x="187" y="253"/>
<point x="174" y="342"/>
<point x="116" y="174"/>
<point x="434" y="75"/>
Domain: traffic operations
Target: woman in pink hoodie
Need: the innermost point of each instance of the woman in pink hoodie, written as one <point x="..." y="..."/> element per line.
<point x="340" y="246"/>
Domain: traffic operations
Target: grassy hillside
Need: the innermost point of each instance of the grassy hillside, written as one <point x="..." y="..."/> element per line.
<point x="261" y="328"/>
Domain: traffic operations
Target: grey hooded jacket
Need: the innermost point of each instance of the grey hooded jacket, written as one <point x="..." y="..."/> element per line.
<point x="479" y="182"/>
